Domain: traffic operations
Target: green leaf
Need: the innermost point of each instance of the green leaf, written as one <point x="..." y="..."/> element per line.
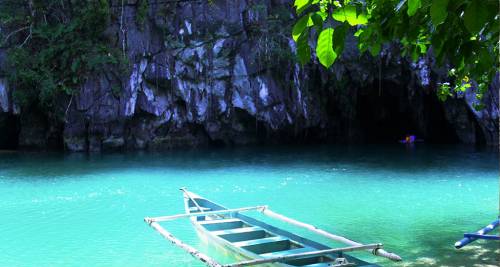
<point x="322" y="14"/>
<point x="358" y="32"/>
<point x="324" y="48"/>
<point x="364" y="38"/>
<point x="413" y="6"/>
<point x="349" y="14"/>
<point x="423" y="48"/>
<point x="474" y="16"/>
<point x="317" y="20"/>
<point x="75" y="65"/>
<point x="414" y="54"/>
<point x="299" y="27"/>
<point x="437" y="44"/>
<point x="439" y="11"/>
<point x="303" y="49"/>
<point x="361" y="19"/>
<point x="339" y="39"/>
<point x="310" y="22"/>
<point x="444" y="91"/>
<point x="485" y="59"/>
<point x="338" y="14"/>
<point x="301" y="5"/>
<point x="375" y="48"/>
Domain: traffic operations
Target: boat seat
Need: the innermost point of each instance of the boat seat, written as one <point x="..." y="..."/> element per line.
<point x="238" y="230"/>
<point x="242" y="234"/>
<point x="265" y="245"/>
<point x="321" y="264"/>
<point x="287" y="252"/>
<point x="195" y="209"/>
<point x="325" y="264"/>
<point x="219" y="221"/>
<point x="221" y="224"/>
<point x="260" y="241"/>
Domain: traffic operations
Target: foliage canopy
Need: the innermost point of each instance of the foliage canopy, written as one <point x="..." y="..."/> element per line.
<point x="461" y="33"/>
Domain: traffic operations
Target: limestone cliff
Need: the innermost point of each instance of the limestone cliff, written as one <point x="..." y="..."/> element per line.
<point x="223" y="73"/>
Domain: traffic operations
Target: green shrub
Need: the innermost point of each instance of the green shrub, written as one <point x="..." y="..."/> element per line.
<point x="64" y="45"/>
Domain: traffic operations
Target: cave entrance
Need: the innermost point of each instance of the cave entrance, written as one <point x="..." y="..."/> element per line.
<point x="9" y="131"/>
<point x="388" y="114"/>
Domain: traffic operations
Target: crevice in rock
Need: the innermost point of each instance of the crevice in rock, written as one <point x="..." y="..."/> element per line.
<point x="9" y="131"/>
<point x="480" y="135"/>
<point x="390" y="116"/>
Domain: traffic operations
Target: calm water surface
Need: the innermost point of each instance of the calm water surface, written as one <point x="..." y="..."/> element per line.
<point x="81" y="210"/>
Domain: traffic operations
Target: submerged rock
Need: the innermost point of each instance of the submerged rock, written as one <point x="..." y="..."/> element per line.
<point x="113" y="143"/>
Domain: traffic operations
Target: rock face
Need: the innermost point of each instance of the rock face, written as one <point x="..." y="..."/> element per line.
<point x="224" y="74"/>
<point x="8" y="119"/>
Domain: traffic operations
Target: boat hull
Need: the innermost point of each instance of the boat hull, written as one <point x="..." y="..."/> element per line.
<point x="237" y="254"/>
<point x="193" y="203"/>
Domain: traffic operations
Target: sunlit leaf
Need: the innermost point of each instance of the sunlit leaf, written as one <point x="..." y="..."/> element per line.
<point x="324" y="48"/>
<point x="338" y="14"/>
<point x="358" y="32"/>
<point x="413" y="6"/>
<point x="423" y="48"/>
<point x="349" y="14"/>
<point x="301" y="5"/>
<point x="361" y="19"/>
<point x="322" y="14"/>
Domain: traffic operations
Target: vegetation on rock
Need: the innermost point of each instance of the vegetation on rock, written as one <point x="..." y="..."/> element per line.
<point x="52" y="46"/>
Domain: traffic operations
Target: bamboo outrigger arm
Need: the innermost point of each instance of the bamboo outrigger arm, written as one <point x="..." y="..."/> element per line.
<point x="186" y="215"/>
<point x="301" y="255"/>
<point x="195" y="253"/>
<point x="375" y="251"/>
<point x="186" y="193"/>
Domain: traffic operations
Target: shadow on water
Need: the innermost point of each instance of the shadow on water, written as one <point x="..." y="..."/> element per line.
<point x="432" y="250"/>
<point x="397" y="158"/>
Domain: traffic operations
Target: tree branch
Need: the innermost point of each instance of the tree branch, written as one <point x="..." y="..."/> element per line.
<point x="14" y="32"/>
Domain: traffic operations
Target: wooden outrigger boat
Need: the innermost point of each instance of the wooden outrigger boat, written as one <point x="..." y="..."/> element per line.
<point x="481" y="234"/>
<point x="260" y="243"/>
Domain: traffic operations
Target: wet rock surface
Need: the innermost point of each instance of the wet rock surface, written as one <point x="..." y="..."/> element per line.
<point x="208" y="74"/>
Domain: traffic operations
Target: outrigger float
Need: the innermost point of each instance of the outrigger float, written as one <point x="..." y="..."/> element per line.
<point x="481" y="234"/>
<point x="260" y="243"/>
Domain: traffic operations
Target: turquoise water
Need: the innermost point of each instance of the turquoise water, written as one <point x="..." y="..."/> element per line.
<point x="87" y="210"/>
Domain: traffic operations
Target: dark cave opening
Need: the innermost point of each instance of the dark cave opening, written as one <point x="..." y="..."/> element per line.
<point x="387" y="114"/>
<point x="9" y="131"/>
